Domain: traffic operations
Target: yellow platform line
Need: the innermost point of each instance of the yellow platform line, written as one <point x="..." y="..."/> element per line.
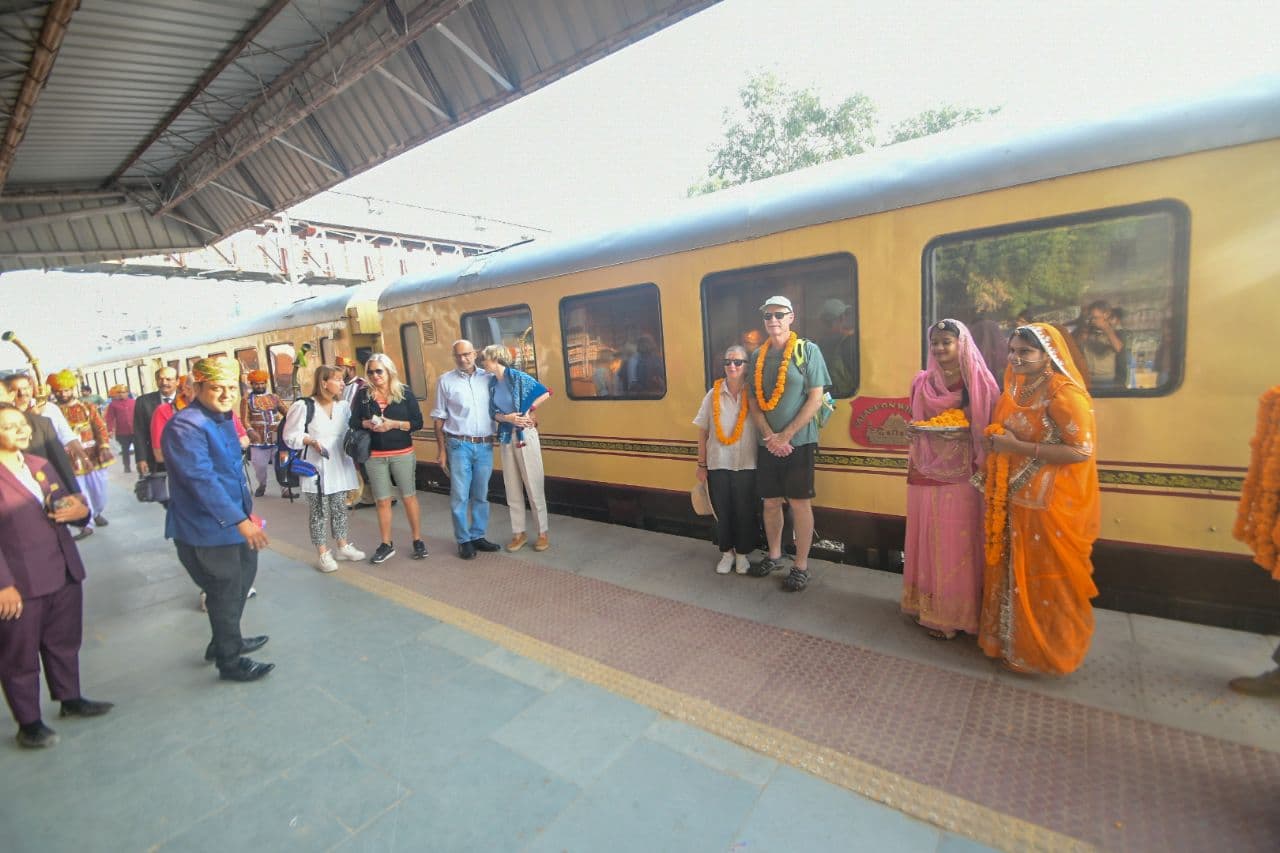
<point x="924" y="802"/>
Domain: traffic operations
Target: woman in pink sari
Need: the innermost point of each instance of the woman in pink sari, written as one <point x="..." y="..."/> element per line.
<point x="942" y="575"/>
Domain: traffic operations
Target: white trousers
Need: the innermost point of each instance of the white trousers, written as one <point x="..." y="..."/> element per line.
<point x="261" y="457"/>
<point x="521" y="473"/>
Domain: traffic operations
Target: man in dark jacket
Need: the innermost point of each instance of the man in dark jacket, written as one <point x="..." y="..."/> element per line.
<point x="166" y="390"/>
<point x="44" y="443"/>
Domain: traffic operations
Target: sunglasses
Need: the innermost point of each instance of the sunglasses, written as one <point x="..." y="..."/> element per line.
<point x="376" y="371"/>
<point x="775" y="315"/>
<point x="736" y="362"/>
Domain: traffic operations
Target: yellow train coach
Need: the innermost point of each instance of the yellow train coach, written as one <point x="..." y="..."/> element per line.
<point x="1160" y="227"/>
<point x="1164" y="224"/>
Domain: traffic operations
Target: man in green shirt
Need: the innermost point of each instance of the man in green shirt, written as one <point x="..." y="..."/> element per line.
<point x="786" y="393"/>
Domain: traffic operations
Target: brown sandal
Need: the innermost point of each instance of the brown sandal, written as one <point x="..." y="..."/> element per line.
<point x="939" y="635"/>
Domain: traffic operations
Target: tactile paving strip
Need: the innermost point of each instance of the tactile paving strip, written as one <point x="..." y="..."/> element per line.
<point x="1009" y="767"/>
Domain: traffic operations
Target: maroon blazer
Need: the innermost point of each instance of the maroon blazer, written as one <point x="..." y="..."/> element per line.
<point x="36" y="555"/>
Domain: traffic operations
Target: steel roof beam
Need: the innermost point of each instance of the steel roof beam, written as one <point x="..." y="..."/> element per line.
<point x="203" y="83"/>
<point x="59" y="197"/>
<point x="476" y="58"/>
<point x="67" y="216"/>
<point x="43" y="55"/>
<point x="362" y="43"/>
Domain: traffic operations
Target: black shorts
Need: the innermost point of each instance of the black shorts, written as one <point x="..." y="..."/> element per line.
<point x="787" y="476"/>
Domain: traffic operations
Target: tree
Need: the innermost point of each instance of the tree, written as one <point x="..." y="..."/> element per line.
<point x="777" y="129"/>
<point x="936" y="120"/>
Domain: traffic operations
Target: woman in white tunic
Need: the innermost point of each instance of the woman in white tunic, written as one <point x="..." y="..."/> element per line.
<point x="321" y="445"/>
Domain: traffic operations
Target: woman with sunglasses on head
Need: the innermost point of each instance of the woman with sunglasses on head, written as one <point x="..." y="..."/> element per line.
<point x="513" y="397"/>
<point x="387" y="408"/>
<point x="1041" y="494"/>
<point x="942" y="571"/>
<point x="727" y="462"/>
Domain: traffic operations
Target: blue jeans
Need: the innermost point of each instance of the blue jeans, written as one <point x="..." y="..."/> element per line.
<point x="469" y="468"/>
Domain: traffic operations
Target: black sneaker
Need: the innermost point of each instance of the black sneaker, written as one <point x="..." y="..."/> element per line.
<point x="384" y="552"/>
<point x="419" y="549"/>
<point x="485" y="545"/>
<point x="767" y="566"/>
<point x="795" y="581"/>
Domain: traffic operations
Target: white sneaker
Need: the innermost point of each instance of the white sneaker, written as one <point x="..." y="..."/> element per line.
<point x="348" y="552"/>
<point x="326" y="563"/>
<point x="253" y="590"/>
<point x="741" y="564"/>
<point x="726" y="563"/>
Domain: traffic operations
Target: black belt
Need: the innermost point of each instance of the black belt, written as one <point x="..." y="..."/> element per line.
<point x="471" y="439"/>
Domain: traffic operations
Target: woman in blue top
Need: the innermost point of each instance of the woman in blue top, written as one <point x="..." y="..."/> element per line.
<point x="513" y="396"/>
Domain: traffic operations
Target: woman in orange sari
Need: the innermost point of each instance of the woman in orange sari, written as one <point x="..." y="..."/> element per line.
<point x="1036" y="614"/>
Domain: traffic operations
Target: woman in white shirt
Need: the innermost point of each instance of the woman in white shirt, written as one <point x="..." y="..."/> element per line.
<point x="727" y="462"/>
<point x="321" y="445"/>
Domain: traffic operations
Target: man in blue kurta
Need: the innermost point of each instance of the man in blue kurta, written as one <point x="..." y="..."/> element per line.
<point x="209" y="517"/>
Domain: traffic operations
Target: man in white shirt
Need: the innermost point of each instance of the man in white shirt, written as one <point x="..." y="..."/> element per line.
<point x="464" y="434"/>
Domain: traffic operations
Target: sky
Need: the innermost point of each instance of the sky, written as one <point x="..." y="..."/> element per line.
<point x="623" y="138"/>
<point x="626" y="136"/>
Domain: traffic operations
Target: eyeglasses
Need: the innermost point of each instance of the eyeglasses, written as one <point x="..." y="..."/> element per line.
<point x="736" y="362"/>
<point x="376" y="371"/>
<point x="775" y="315"/>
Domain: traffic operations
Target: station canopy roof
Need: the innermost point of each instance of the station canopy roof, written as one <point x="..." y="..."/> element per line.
<point x="137" y="127"/>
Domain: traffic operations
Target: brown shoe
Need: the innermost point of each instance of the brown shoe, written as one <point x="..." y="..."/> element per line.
<point x="1266" y="685"/>
<point x="517" y="542"/>
<point x="543" y="543"/>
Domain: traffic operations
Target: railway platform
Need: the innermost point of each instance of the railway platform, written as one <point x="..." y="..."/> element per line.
<point x="615" y="693"/>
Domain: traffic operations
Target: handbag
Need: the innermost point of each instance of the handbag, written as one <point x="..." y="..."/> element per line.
<point x="152" y="488"/>
<point x="357" y="442"/>
<point x="356" y="445"/>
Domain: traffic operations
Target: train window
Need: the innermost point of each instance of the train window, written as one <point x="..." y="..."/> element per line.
<point x="128" y="381"/>
<point x="824" y="293"/>
<point x="512" y="327"/>
<point x="328" y="354"/>
<point x="191" y="363"/>
<point x="415" y="375"/>
<point x="248" y="358"/>
<point x="280" y="365"/>
<point x="1114" y="281"/>
<point x="175" y="364"/>
<point x="142" y="380"/>
<point x="613" y="344"/>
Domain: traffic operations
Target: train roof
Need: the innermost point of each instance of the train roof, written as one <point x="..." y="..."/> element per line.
<point x="958" y="163"/>
<point x="321" y="308"/>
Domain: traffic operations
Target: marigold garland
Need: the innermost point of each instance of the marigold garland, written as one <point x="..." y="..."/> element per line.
<point x="996" y="502"/>
<point x="780" y="383"/>
<point x="1258" y="515"/>
<point x="947" y="418"/>
<point x="715" y="411"/>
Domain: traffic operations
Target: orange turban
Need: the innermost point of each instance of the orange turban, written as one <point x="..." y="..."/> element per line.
<point x="343" y="361"/>
<point x="222" y="368"/>
<point x="257" y="376"/>
<point x="63" y="380"/>
<point x="117" y="389"/>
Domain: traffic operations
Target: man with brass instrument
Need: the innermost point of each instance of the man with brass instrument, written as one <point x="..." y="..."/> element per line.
<point x="262" y="413"/>
<point x="91" y="431"/>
